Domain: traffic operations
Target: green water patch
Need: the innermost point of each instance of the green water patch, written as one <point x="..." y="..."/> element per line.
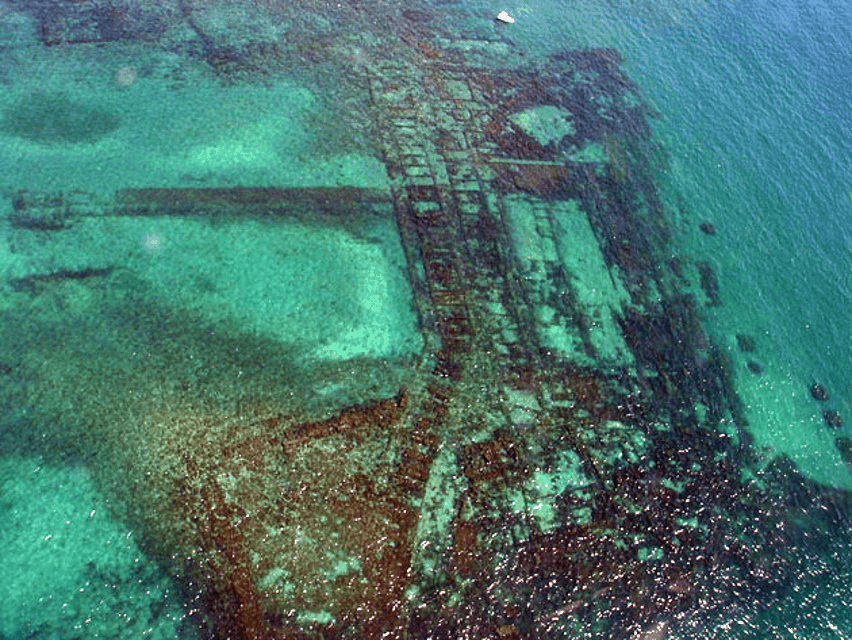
<point x="55" y="119"/>
<point x="70" y="570"/>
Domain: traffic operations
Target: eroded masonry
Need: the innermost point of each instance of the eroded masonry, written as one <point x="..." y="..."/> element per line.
<point x="557" y="454"/>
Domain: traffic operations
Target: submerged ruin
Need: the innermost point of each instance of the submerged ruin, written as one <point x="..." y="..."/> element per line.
<point x="474" y="400"/>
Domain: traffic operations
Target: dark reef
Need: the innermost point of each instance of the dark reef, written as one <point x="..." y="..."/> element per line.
<point x="754" y="367"/>
<point x="833" y="418"/>
<point x="819" y="392"/>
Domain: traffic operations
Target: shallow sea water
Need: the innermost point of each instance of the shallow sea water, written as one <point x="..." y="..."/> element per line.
<point x="752" y="117"/>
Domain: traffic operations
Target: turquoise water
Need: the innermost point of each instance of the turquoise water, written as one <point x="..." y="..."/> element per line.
<point x="753" y="107"/>
<point x="753" y="118"/>
<point x="753" y="113"/>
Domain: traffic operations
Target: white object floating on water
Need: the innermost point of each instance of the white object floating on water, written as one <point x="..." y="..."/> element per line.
<point x="504" y="16"/>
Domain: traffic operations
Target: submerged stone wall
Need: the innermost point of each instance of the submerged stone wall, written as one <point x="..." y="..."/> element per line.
<point x="561" y="454"/>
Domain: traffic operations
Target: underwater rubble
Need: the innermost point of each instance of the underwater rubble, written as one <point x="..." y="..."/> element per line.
<point x="562" y="452"/>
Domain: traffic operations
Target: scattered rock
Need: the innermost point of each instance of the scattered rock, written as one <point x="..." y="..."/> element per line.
<point x="844" y="446"/>
<point x="755" y="368"/>
<point x="746" y="343"/>
<point x="832" y="418"/>
<point x="508" y="631"/>
<point x="709" y="284"/>
<point x="819" y="392"/>
<point x="707" y="228"/>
